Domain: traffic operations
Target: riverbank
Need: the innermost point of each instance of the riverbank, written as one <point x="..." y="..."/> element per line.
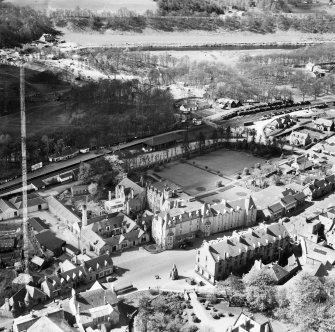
<point x="187" y="39"/>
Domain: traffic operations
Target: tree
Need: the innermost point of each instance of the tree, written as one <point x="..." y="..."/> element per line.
<point x="328" y="319"/>
<point x="260" y="291"/>
<point x="233" y="285"/>
<point x="306" y="295"/>
<point x="201" y="140"/>
<point x="93" y="188"/>
<point x="85" y="172"/>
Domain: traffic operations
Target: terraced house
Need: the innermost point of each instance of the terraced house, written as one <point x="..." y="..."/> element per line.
<point x="215" y="260"/>
<point x="72" y="275"/>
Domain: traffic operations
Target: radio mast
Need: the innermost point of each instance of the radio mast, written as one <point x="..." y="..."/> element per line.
<point x="24" y="172"/>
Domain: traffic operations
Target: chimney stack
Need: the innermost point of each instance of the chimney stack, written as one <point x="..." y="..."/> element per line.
<point x="109" y="195"/>
<point x="84" y="215"/>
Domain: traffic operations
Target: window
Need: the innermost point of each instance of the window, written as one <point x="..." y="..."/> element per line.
<point x="124" y="245"/>
<point x="101" y="274"/>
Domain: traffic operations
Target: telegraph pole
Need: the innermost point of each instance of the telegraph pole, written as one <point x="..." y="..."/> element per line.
<point x="24" y="172"/>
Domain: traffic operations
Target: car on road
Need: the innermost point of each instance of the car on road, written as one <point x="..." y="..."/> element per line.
<point x="111" y="278"/>
<point x="190" y="281"/>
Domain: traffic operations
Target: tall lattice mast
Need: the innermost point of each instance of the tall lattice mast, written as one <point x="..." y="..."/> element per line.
<point x="24" y="172"/>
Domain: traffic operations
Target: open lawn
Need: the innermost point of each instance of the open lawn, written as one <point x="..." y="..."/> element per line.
<point x="227" y="162"/>
<point x="196" y="179"/>
<point x="191" y="178"/>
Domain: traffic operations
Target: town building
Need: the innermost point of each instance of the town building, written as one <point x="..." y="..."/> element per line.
<point x="34" y="203"/>
<point x="281" y="273"/>
<point x="313" y="253"/>
<point x="13" y="207"/>
<point x="72" y="275"/>
<point x="79" y="190"/>
<point x="216" y="259"/>
<point x="161" y="142"/>
<point x="302" y="163"/>
<point x="23" y="323"/>
<point x="320" y="187"/>
<point x="7" y="210"/>
<point x="274" y="202"/>
<point x="324" y="124"/>
<point x="113" y="232"/>
<point x="161" y="191"/>
<point x="65" y="214"/>
<point x="47" y="38"/>
<point x="170" y="228"/>
<point x="48" y="241"/>
<point x="37" y="224"/>
<point x="252" y="323"/>
<point x="298" y="138"/>
<point x="26" y="298"/>
<point x="96" y="307"/>
<point x="51" y="324"/>
<point x="52" y="286"/>
<point x="132" y="194"/>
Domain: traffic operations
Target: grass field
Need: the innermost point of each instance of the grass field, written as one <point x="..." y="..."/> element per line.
<point x="228" y="162"/>
<point x="197" y="180"/>
<point x="192" y="179"/>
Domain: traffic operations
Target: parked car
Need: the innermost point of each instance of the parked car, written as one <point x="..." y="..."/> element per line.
<point x="190" y="281"/>
<point x="111" y="278"/>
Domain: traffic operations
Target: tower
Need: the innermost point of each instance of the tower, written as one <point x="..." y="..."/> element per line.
<point x="24" y="172"/>
<point x="84" y="215"/>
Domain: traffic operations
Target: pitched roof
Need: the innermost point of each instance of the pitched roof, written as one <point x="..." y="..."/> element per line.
<point x="98" y="262"/>
<point x="73" y="274"/>
<point x="288" y="199"/>
<point x="28" y="291"/>
<point x="325" y="122"/>
<point x="330" y="178"/>
<point x="275" y="207"/>
<point x="38" y="260"/>
<point x="38" y="224"/>
<point x="300" y="195"/>
<point x="63" y="210"/>
<point x="50" y="324"/>
<point x="33" y="199"/>
<point x="6" y="205"/>
<point x="163" y="139"/>
<point x="48" y="240"/>
<point x="127" y="183"/>
<point x="96" y="298"/>
<point x="241" y="242"/>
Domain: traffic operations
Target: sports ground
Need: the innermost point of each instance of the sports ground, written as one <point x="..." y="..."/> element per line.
<point x="202" y="174"/>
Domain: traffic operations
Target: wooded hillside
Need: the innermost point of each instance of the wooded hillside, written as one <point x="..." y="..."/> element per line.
<point x="21" y="25"/>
